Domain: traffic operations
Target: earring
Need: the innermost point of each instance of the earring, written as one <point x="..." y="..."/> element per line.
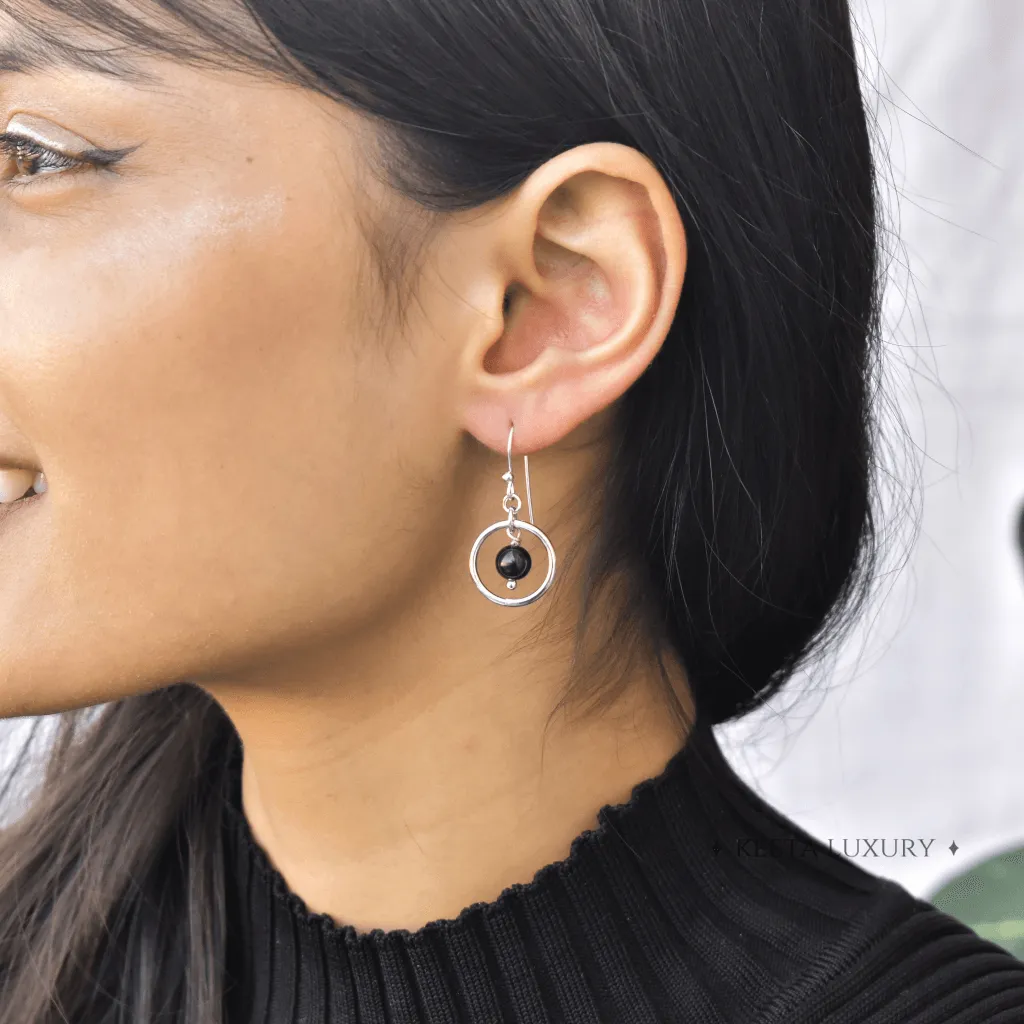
<point x="513" y="561"/>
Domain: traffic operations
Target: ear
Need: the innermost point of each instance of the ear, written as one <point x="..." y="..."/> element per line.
<point x="591" y="252"/>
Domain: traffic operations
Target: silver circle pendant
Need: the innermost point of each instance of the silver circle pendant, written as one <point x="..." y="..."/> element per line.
<point x="512" y="602"/>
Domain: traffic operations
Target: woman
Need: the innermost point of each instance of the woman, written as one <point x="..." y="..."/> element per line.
<point x="290" y="294"/>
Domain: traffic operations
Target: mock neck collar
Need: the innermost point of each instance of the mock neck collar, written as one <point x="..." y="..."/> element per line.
<point x="693" y="894"/>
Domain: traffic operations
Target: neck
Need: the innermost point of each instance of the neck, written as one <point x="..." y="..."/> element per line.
<point x="395" y="805"/>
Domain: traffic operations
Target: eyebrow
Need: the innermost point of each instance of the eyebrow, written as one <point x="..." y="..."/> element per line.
<point x="21" y="53"/>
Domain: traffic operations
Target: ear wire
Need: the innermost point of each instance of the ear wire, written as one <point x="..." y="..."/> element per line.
<point x="526" y="469"/>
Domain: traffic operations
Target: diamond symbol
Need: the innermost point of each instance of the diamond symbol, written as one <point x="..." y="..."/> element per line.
<point x="953" y="847"/>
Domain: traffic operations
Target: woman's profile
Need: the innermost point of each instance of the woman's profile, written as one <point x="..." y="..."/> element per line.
<point x="421" y="422"/>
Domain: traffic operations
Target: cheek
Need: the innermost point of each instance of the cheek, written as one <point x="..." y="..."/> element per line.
<point x="192" y="392"/>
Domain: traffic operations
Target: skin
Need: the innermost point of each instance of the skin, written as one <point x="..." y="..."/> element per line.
<point x="256" y="485"/>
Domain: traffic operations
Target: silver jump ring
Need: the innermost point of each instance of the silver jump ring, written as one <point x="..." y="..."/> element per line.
<point x="512" y="602"/>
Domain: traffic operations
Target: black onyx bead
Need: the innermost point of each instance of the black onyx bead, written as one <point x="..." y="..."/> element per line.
<point x="513" y="562"/>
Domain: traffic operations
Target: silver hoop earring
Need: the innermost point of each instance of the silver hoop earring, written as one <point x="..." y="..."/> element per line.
<point x="513" y="561"/>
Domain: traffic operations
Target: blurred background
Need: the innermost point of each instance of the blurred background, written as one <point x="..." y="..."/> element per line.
<point x="915" y="731"/>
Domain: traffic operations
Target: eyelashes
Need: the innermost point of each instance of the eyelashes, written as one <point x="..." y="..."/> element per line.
<point x="46" y="162"/>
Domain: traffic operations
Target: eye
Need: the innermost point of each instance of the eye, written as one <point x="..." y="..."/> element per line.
<point x="31" y="160"/>
<point x="28" y="159"/>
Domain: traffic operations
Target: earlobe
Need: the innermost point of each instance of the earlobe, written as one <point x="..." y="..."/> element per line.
<point x="595" y="255"/>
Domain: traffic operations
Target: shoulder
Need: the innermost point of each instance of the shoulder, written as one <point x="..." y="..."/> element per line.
<point x="902" y="961"/>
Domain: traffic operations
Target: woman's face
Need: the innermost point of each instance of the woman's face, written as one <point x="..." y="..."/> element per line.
<point x="254" y="469"/>
<point x="190" y="351"/>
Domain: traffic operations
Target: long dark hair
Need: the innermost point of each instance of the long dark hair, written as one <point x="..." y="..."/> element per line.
<point x="737" y="521"/>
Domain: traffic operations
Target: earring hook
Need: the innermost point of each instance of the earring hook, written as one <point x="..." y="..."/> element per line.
<point x="526" y="466"/>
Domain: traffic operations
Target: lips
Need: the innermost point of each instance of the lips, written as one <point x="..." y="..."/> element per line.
<point x="16" y="483"/>
<point x="12" y="510"/>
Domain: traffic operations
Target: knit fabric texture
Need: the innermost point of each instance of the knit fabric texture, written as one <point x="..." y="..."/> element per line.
<point x="694" y="901"/>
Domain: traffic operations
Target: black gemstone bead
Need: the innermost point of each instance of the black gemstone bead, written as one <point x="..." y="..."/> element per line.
<point x="513" y="562"/>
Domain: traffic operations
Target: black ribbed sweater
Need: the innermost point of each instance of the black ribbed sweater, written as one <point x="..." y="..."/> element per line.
<point x="692" y="902"/>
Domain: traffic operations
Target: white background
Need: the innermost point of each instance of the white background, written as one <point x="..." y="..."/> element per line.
<point x="916" y="731"/>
